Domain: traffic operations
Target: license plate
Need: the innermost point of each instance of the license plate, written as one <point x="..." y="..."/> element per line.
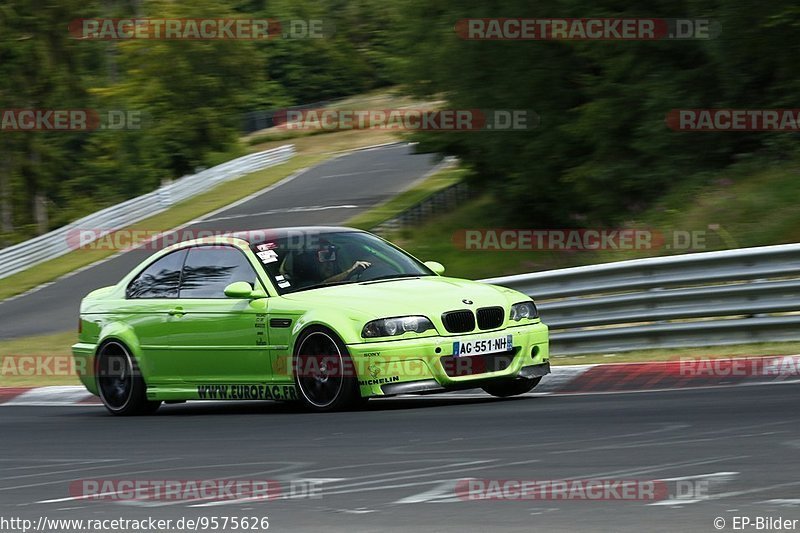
<point x="482" y="346"/>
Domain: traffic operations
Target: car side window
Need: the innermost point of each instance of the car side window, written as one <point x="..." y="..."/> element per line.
<point x="159" y="280"/>
<point x="209" y="269"/>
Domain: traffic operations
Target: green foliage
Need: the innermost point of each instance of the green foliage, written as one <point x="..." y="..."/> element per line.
<point x="600" y="155"/>
<point x="602" y="152"/>
<point x="189" y="95"/>
<point x="353" y="57"/>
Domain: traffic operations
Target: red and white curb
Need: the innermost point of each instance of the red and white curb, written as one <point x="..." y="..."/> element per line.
<point x="671" y="375"/>
<point x="48" y="396"/>
<point x="568" y="379"/>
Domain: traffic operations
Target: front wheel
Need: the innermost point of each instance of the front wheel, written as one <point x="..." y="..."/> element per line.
<point x="324" y="373"/>
<point x="120" y="383"/>
<point x="514" y="387"/>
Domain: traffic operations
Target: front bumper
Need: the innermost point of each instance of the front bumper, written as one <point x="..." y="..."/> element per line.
<point x="427" y="365"/>
<point x="431" y="386"/>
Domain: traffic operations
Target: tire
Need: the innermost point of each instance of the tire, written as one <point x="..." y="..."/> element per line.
<point x="323" y="372"/>
<point x="119" y="382"/>
<point x="513" y="387"/>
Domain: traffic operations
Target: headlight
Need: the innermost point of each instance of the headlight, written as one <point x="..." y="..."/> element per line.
<point x="523" y="310"/>
<point x="389" y="327"/>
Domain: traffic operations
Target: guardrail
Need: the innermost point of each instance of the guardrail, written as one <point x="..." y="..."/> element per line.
<point x="437" y="203"/>
<point x="57" y="243"/>
<point x="702" y="299"/>
<point x="434" y="204"/>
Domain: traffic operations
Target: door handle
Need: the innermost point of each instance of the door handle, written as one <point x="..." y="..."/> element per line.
<point x="177" y="311"/>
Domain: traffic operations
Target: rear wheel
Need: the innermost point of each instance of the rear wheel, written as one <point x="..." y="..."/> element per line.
<point x="513" y="387"/>
<point x="324" y="373"/>
<point x="119" y="382"/>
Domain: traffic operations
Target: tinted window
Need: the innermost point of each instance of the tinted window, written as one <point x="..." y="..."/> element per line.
<point x="309" y="259"/>
<point x="209" y="269"/>
<point x="160" y="279"/>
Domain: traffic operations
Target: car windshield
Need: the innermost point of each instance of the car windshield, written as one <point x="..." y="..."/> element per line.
<point x="297" y="260"/>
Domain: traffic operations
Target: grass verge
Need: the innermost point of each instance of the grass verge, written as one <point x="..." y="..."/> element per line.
<point x="391" y="98"/>
<point x="181" y="213"/>
<point x="745" y="205"/>
<point x="15" y="372"/>
<point x="438" y="240"/>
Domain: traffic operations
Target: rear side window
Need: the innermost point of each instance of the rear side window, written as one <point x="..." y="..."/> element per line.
<point x="159" y="280"/>
<point x="209" y="269"/>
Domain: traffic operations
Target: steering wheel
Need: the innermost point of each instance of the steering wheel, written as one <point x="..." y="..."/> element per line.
<point x="356" y="273"/>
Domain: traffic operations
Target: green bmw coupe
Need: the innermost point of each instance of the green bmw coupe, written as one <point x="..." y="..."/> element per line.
<point x="326" y="316"/>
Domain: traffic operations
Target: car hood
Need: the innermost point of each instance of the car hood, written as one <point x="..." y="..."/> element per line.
<point x="427" y="295"/>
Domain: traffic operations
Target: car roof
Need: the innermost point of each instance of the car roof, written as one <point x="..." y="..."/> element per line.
<point x="287" y="230"/>
<point x="258" y="236"/>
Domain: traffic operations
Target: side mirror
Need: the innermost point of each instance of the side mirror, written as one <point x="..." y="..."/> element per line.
<point x="239" y="289"/>
<point x="437" y="268"/>
<point x="258" y="293"/>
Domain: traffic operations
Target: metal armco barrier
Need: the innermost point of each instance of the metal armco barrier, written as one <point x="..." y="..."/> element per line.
<point x="702" y="299"/>
<point x="56" y="243"/>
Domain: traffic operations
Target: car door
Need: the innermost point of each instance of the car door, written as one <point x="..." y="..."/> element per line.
<point x="148" y="298"/>
<point x="214" y="338"/>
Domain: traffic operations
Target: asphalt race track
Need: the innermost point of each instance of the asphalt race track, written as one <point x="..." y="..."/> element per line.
<point x="329" y="193"/>
<point x="395" y="466"/>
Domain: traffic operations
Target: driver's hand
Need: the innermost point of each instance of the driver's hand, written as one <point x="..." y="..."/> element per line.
<point x="363" y="265"/>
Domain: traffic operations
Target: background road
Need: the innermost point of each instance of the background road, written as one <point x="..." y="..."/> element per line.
<point x="329" y="193"/>
<point x="393" y="467"/>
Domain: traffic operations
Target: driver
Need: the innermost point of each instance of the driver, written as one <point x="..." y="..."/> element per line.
<point x="329" y="267"/>
<point x="310" y="268"/>
<point x="358" y="266"/>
